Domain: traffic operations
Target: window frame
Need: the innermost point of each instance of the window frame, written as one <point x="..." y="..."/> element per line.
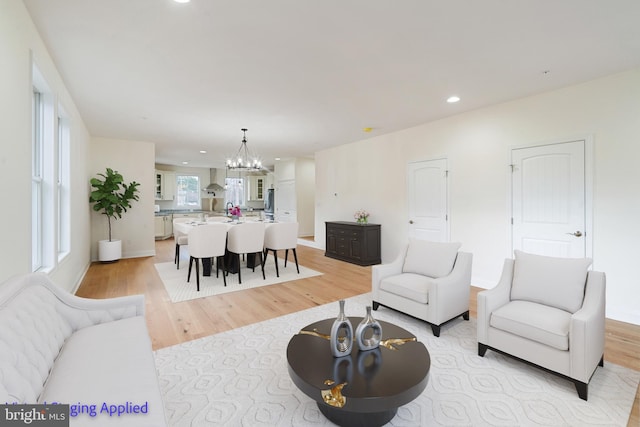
<point x="196" y="204"/>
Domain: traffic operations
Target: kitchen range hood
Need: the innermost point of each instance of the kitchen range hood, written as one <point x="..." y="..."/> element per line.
<point x="214" y="189"/>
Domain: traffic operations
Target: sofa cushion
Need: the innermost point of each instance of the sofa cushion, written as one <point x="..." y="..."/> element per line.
<point x="557" y="282"/>
<point x="432" y="259"/>
<point x="536" y="322"/>
<point x="408" y="285"/>
<point x="108" y="363"/>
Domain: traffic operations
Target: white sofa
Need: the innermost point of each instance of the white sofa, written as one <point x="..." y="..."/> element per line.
<point x="90" y="354"/>
<point x="428" y="280"/>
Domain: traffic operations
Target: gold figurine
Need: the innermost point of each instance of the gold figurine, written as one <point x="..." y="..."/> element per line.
<point x="334" y="396"/>
<point x="390" y="343"/>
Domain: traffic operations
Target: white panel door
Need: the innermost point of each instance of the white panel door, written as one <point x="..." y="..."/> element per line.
<point x="549" y="193"/>
<point x="285" y="203"/>
<point x="428" y="200"/>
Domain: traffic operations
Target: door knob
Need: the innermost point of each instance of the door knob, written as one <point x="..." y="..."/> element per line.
<point x="410" y="221"/>
<point x="577" y="233"/>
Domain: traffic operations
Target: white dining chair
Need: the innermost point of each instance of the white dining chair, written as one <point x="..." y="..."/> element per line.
<point x="180" y="239"/>
<point x="246" y="238"/>
<point x="207" y="242"/>
<point x="281" y="236"/>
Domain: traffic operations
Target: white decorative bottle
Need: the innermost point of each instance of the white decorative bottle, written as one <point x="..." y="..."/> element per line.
<point x="341" y="334"/>
<point x="368" y="332"/>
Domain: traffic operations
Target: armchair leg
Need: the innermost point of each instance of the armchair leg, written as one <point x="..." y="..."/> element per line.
<point x="465" y="315"/>
<point x="482" y="349"/>
<point x="375" y="305"/>
<point x="582" y="389"/>
<point x="601" y="364"/>
<point x="436" y="330"/>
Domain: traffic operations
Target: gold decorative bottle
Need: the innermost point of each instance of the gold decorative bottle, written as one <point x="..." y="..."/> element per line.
<point x="341" y="339"/>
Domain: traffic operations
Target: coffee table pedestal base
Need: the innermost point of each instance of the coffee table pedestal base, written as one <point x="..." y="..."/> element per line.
<point x="356" y="419"/>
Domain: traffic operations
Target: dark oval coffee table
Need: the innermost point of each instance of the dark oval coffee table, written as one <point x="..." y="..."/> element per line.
<point x="377" y="381"/>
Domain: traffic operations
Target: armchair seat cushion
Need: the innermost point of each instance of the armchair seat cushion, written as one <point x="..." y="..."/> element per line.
<point x="408" y="285"/>
<point x="541" y="323"/>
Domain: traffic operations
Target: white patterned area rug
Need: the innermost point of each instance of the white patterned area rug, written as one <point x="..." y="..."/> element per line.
<point x="175" y="281"/>
<point x="240" y="378"/>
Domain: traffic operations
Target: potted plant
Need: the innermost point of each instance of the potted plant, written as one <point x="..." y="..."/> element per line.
<point x="111" y="196"/>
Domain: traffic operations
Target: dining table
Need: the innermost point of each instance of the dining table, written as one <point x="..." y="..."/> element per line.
<point x="231" y="265"/>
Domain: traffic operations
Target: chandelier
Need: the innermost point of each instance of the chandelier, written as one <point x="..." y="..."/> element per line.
<point x="244" y="160"/>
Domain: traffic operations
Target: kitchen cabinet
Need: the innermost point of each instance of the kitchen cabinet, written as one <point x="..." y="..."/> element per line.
<point x="165" y="185"/>
<point x="163" y="226"/>
<point x="353" y="242"/>
<point x="257" y="187"/>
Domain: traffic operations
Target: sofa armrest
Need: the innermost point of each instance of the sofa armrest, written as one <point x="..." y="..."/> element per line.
<point x="587" y="328"/>
<point x="492" y="299"/>
<point x="451" y="293"/>
<point x="83" y="312"/>
<point x="382" y="271"/>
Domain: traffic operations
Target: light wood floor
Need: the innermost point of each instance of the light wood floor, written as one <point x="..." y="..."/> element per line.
<point x="173" y="323"/>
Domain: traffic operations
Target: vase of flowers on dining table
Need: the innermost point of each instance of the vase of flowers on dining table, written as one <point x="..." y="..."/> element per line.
<point x="235" y="212"/>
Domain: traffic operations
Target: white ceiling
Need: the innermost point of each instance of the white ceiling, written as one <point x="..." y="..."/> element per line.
<point x="307" y="75"/>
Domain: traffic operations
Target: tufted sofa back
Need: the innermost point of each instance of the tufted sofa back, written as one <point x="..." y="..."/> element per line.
<point x="36" y="318"/>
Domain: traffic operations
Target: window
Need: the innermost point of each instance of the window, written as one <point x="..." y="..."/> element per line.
<point x="63" y="202"/>
<point x="37" y="181"/>
<point x="44" y="213"/>
<point x="188" y="192"/>
<point x="235" y="191"/>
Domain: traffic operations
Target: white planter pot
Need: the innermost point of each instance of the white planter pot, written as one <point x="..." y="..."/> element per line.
<point x="109" y="250"/>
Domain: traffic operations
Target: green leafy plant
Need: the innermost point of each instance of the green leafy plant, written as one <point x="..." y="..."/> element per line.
<point x="111" y="196"/>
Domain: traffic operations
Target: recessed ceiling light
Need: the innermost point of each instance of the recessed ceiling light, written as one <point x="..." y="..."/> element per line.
<point x="182" y="1"/>
<point x="203" y="151"/>
<point x="185" y="163"/>
<point x="277" y="158"/>
<point x="453" y="99"/>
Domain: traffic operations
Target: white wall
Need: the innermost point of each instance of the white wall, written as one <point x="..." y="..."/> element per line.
<point x="371" y="174"/>
<point x="19" y="43"/>
<point x="135" y="160"/>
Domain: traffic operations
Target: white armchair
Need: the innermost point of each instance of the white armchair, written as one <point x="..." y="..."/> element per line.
<point x="428" y="280"/>
<point x="549" y="312"/>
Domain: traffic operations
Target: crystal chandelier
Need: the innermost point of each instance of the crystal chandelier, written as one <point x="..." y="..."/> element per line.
<point x="244" y="160"/>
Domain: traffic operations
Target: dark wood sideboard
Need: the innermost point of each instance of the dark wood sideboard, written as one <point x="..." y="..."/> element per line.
<point x="353" y="242"/>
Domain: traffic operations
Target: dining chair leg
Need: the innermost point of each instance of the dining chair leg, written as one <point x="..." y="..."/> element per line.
<point x="224" y="276"/>
<point x="262" y="265"/>
<point x="275" y="259"/>
<point x="190" y="264"/>
<point x="176" y="260"/>
<point x="265" y="253"/>
<point x="239" y="269"/>
<point x="197" y="275"/>
<point x="295" y="256"/>
<point x="286" y="257"/>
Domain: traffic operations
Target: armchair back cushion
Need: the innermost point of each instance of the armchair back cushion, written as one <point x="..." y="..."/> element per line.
<point x="556" y="282"/>
<point x="432" y="259"/>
